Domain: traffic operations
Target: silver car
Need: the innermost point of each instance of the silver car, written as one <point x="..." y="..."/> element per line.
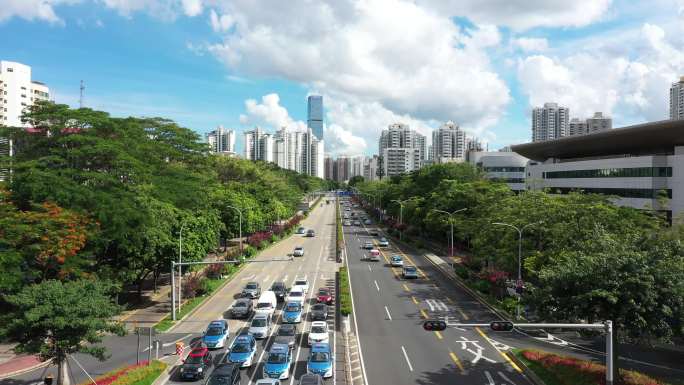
<point x="260" y="327"/>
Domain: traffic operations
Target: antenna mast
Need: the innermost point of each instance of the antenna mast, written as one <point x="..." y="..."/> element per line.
<point x="80" y="100"/>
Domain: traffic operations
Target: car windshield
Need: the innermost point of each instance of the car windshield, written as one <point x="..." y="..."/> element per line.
<point x="277" y="286"/>
<point x="240" y="304"/>
<point x="322" y="292"/>
<point x="296" y="294"/>
<point x="214" y="331"/>
<point x="219" y="380"/>
<point x="277" y="358"/>
<point x="242" y="347"/>
<point x="319" y="357"/>
<point x="251" y="286"/>
<point x="410" y="268"/>
<point x="259" y="322"/>
<point x="286" y="331"/>
<point x="293" y="307"/>
<point x="299" y="248"/>
<point x="263" y="305"/>
<point x="194" y="360"/>
<point x="318" y="329"/>
<point x="300" y="282"/>
<point x="318" y="307"/>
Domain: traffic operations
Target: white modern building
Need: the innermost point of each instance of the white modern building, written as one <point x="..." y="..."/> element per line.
<point x="17" y="92"/>
<point x="596" y="123"/>
<point x="370" y="168"/>
<point x="258" y="145"/>
<point x="402" y="142"/>
<point x="504" y="166"/>
<point x="448" y="143"/>
<point x="641" y="166"/>
<point x="298" y="151"/>
<point x="400" y="160"/>
<point x="222" y="141"/>
<point x="549" y="122"/>
<point x="677" y="100"/>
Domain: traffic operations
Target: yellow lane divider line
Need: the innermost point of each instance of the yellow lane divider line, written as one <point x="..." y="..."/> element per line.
<point x="423" y="313"/>
<point x="439" y="335"/>
<point x="406" y="288"/>
<point x="414" y="300"/>
<point x="456" y="361"/>
<point x="504" y="355"/>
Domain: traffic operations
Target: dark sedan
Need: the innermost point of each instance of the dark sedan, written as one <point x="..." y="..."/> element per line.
<point x="319" y="312"/>
<point x="197" y="364"/>
<point x="287" y="335"/>
<point x="280" y="290"/>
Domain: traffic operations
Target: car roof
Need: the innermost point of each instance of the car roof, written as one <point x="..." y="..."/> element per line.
<point x="260" y="315"/>
<point x="244" y="338"/>
<point x="288" y="326"/>
<point x="199" y="351"/>
<point x="396" y="256"/>
<point x="225" y="369"/>
<point x="217" y="323"/>
<point x="309" y="379"/>
<point x="301" y="278"/>
<point x="299" y="247"/>
<point x="318" y="305"/>
<point x="252" y="283"/>
<point x="244" y="300"/>
<point x="320" y="347"/>
<point x="279" y="348"/>
<point x="278" y="283"/>
<point x="293" y="303"/>
<point x="319" y="323"/>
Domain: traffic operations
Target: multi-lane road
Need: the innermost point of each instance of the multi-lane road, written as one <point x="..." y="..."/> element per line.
<point x="389" y="312"/>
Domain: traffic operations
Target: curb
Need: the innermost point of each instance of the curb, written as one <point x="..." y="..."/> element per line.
<point x="529" y="373"/>
<point x="24" y="370"/>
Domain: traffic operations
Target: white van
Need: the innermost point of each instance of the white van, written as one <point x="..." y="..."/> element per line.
<point x="266" y="304"/>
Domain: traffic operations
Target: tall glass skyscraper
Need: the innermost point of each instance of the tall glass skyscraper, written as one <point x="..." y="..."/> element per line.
<point x="314" y="118"/>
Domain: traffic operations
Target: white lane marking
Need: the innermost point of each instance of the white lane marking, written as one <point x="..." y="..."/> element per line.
<point x="437" y="305"/>
<point x="407" y="359"/>
<point x="301" y="336"/>
<point x="478" y="355"/>
<point x="267" y="277"/>
<point x="250" y="277"/>
<point x="388" y="313"/>
<point x="376" y="285"/>
<point x="369" y="268"/>
<point x="299" y="268"/>
<point x="285" y="278"/>
<point x="506" y="378"/>
<point x="356" y="322"/>
<point x="489" y="378"/>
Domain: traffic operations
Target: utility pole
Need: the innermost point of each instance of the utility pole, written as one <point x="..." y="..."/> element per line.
<point x="451" y="223"/>
<point x="80" y="99"/>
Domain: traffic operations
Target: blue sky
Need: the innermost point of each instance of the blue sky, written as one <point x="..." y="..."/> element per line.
<point x="240" y="63"/>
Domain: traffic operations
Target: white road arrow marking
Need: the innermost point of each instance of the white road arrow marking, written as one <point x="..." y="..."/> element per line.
<point x="489" y="378"/>
<point x="506" y="378"/>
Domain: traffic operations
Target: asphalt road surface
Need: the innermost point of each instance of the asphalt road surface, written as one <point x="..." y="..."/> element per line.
<point x="389" y="314"/>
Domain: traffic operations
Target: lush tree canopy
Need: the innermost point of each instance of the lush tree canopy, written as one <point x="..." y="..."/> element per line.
<point x="109" y="196"/>
<point x="585" y="259"/>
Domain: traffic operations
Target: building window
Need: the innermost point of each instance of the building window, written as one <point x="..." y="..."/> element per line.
<point x="636" y="172"/>
<point x="620" y="192"/>
<point x="504" y="169"/>
<point x="10" y="70"/>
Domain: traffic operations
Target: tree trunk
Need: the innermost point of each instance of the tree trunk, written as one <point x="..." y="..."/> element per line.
<point x="62" y="372"/>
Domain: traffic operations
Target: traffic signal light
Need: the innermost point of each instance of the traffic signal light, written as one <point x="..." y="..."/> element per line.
<point x="501" y="326"/>
<point x="434" y="325"/>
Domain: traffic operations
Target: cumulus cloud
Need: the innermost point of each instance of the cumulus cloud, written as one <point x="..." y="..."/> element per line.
<point x="525" y="14"/>
<point x="393" y="55"/>
<point x="631" y="85"/>
<point x="43" y="10"/>
<point x="192" y="7"/>
<point x="531" y="44"/>
<point x="269" y="113"/>
<point x="339" y="140"/>
<point x="220" y="23"/>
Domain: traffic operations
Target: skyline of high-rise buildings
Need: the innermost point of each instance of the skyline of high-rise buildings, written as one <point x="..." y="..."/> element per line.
<point x="549" y="122"/>
<point x="221" y="140"/>
<point x="448" y="143"/>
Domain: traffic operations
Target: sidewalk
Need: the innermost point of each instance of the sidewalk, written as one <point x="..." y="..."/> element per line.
<point x="13" y="365"/>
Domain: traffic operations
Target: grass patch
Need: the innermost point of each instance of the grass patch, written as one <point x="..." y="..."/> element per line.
<point x="554" y="369"/>
<point x="344" y="295"/>
<point x="139" y="374"/>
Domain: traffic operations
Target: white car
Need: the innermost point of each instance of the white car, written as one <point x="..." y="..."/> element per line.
<point x="298" y="251"/>
<point x="301" y="282"/>
<point x="296" y="295"/>
<point x="318" y="332"/>
<point x="260" y="327"/>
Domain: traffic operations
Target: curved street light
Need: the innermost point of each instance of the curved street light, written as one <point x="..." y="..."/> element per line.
<point x="451" y="223"/>
<point x="401" y="212"/>
<point x="240" y="224"/>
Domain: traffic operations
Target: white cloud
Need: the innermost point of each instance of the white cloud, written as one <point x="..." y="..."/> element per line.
<point x="192" y="7"/>
<point x="632" y="85"/>
<point x="269" y="113"/>
<point x="220" y="23"/>
<point x="409" y="60"/>
<point x="339" y="140"/>
<point x="525" y="14"/>
<point x="33" y="9"/>
<point x="531" y="44"/>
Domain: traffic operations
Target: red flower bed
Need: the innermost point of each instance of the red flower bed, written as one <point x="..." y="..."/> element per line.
<point x="108" y="379"/>
<point x="596" y="373"/>
<point x="257" y="238"/>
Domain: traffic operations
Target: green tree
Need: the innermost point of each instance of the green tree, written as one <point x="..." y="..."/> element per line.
<point x="353" y="181"/>
<point x="54" y="319"/>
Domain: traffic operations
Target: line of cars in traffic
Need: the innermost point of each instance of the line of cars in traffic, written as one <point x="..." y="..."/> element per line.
<point x="261" y="322"/>
<point x="396" y="260"/>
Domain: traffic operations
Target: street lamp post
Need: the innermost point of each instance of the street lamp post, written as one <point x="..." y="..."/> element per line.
<point x="240" y="224"/>
<point x="520" y="231"/>
<point x="180" y="268"/>
<point x="451" y="223"/>
<point x="401" y="213"/>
